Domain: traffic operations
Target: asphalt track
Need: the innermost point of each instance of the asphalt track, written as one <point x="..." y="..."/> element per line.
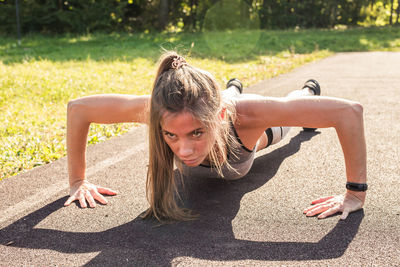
<point x="257" y="220"/>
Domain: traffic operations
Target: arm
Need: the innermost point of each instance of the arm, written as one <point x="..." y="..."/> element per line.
<point x="319" y="112"/>
<point x="81" y="112"/>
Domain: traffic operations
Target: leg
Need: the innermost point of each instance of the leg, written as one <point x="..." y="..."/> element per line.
<point x="233" y="88"/>
<point x="272" y="136"/>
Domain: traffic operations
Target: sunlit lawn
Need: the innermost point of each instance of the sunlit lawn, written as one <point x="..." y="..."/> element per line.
<point x="39" y="78"/>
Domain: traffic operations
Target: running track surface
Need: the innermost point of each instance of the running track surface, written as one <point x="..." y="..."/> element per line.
<point x="257" y="220"/>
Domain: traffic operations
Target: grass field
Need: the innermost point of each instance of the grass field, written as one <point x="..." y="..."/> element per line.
<point x="38" y="78"/>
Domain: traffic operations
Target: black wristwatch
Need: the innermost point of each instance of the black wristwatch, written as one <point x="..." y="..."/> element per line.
<point x="356" y="187"/>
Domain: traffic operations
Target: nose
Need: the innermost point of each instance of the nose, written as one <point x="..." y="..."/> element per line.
<point x="185" y="149"/>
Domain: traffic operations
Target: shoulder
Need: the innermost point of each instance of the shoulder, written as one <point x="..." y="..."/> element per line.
<point x="256" y="111"/>
<point x="248" y="110"/>
<point x="248" y="122"/>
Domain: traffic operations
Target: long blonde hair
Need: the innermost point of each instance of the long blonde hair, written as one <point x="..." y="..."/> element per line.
<point x="180" y="87"/>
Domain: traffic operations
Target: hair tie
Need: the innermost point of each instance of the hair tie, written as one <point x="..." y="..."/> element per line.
<point x="178" y="62"/>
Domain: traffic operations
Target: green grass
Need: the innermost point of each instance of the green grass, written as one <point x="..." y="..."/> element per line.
<point x="38" y="78"/>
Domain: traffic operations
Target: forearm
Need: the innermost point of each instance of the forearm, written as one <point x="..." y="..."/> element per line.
<point x="350" y="131"/>
<point x="77" y="132"/>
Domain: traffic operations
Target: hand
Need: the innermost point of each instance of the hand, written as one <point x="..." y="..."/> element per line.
<point x="327" y="206"/>
<point x="85" y="191"/>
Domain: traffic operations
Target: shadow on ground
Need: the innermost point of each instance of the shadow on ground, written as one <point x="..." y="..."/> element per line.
<point x="211" y="237"/>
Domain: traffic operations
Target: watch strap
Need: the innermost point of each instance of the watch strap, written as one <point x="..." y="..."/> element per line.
<point x="356" y="187"/>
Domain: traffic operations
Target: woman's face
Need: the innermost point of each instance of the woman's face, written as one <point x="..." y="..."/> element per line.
<point x="187" y="137"/>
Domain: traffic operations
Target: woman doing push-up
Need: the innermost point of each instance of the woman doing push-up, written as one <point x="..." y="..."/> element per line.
<point x="206" y="132"/>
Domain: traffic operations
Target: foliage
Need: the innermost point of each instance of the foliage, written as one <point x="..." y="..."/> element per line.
<point x="230" y="15"/>
<point x="74" y="16"/>
<point x="378" y="14"/>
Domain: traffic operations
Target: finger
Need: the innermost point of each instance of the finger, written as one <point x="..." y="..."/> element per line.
<point x="329" y="212"/>
<point x="82" y="201"/>
<point x="69" y="200"/>
<point x="318" y="210"/>
<point x="98" y="197"/>
<point x="106" y="191"/>
<point x="312" y="207"/>
<point x="344" y="214"/>
<point x="320" y="200"/>
<point x="90" y="199"/>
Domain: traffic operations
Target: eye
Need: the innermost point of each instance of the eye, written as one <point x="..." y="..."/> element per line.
<point x="197" y="133"/>
<point x="169" y="135"/>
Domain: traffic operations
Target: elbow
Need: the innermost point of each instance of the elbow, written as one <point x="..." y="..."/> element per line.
<point x="354" y="111"/>
<point x="73" y="106"/>
<point x="77" y="111"/>
<point x="352" y="115"/>
<point x="70" y="105"/>
<point x="71" y="110"/>
<point x="74" y="109"/>
<point x="357" y="110"/>
<point x="358" y="107"/>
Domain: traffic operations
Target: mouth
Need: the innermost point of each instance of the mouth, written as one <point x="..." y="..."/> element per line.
<point x="190" y="162"/>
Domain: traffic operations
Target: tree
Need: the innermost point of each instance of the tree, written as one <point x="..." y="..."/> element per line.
<point x="391" y="12"/>
<point x="163" y="14"/>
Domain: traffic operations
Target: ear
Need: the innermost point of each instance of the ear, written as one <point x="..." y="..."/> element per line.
<point x="223" y="113"/>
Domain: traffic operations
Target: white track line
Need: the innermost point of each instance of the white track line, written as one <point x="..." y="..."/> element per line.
<point x="47" y="193"/>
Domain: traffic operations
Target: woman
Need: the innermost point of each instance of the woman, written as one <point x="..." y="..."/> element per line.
<point x="210" y="134"/>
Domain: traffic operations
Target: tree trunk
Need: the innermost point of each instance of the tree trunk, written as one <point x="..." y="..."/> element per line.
<point x="391" y="12"/>
<point x="163" y="14"/>
<point x="372" y="3"/>
<point x="332" y="14"/>
<point x="193" y="9"/>
<point x="264" y="14"/>
<point x="398" y="12"/>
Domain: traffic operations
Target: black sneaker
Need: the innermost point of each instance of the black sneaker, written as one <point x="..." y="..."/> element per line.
<point x="313" y="85"/>
<point x="235" y="82"/>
